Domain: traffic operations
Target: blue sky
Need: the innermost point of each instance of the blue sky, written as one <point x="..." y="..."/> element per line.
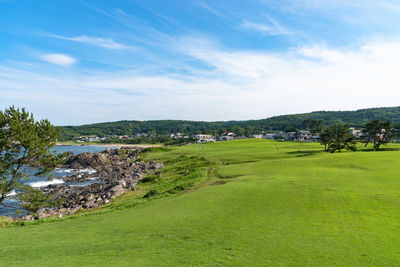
<point x="77" y="61"/>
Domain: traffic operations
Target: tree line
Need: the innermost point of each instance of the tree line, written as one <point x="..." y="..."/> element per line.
<point x="278" y="123"/>
<point x="337" y="137"/>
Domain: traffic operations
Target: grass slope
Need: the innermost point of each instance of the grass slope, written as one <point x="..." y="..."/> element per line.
<point x="252" y="205"/>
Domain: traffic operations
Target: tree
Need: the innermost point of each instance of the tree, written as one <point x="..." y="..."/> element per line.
<point x="33" y="199"/>
<point x="395" y="131"/>
<point x="325" y="138"/>
<point x="314" y="126"/>
<point x="24" y="150"/>
<point x="239" y="131"/>
<point x="336" y="138"/>
<point x="290" y="128"/>
<point x="377" y="132"/>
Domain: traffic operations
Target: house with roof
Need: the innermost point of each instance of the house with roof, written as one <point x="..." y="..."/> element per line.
<point x="203" y="138"/>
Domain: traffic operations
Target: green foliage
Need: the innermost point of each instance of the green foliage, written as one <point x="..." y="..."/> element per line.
<point x="314" y="126"/>
<point x="314" y="121"/>
<point x="33" y="199"/>
<point x="377" y="132"/>
<point x="290" y="128"/>
<point x="149" y="179"/>
<point x="24" y="142"/>
<point x="336" y="138"/>
<point x="179" y="141"/>
<point x="151" y="193"/>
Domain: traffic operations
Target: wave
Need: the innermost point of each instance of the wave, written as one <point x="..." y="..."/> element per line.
<point x="61" y="170"/>
<point x="46" y="183"/>
<point x="12" y="193"/>
<point x="74" y="171"/>
<point x="88" y="171"/>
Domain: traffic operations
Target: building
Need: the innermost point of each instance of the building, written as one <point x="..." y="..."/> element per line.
<point x="204" y="138"/>
<point x="298" y="136"/>
<point x="356" y="132"/>
<point x="302" y="136"/>
<point x="228" y="136"/>
<point x="290" y="136"/>
<point x="88" y="139"/>
<point x="269" y="136"/>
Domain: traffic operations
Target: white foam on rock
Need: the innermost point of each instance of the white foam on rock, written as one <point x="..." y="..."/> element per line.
<point x="46" y="183"/>
<point x="12" y="193"/>
<point x="64" y="170"/>
<point x="79" y="173"/>
<point x="85" y="171"/>
<point x="88" y="171"/>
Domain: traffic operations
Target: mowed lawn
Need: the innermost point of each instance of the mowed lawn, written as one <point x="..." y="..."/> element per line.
<point x="259" y="204"/>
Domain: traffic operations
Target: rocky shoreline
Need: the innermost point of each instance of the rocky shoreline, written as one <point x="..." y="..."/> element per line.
<point x="113" y="172"/>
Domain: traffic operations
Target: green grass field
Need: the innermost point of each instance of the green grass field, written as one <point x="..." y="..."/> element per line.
<point x="237" y="203"/>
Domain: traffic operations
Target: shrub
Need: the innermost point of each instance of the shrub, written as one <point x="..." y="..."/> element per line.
<point x="149" y="179"/>
<point x="151" y="193"/>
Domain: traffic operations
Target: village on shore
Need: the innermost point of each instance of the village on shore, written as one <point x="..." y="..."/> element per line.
<point x="300" y="135"/>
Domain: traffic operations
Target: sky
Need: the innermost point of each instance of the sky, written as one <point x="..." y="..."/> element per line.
<point x="75" y="61"/>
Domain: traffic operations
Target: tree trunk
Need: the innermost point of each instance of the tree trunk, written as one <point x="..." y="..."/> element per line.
<point x="376" y="147"/>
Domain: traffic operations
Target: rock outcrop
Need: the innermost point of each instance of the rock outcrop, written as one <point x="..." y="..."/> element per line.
<point x="116" y="171"/>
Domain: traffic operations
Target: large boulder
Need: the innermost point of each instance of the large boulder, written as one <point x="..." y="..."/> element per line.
<point x="86" y="160"/>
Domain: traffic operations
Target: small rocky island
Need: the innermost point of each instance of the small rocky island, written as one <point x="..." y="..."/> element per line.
<point x="112" y="173"/>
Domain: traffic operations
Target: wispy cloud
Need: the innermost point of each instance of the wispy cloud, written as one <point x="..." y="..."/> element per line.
<point x="59" y="59"/>
<point x="102" y="42"/>
<point x="247" y="83"/>
<point x="132" y="23"/>
<point x="273" y="28"/>
<point x="210" y="9"/>
<point x="357" y="11"/>
<point x="340" y="4"/>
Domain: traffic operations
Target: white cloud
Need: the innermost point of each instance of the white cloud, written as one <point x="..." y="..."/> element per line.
<point x="237" y="85"/>
<point x="59" y="59"/>
<point x="273" y="28"/>
<point x="309" y="78"/>
<point x="102" y="42"/>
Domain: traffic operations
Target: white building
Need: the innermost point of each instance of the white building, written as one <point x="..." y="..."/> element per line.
<point x="228" y="136"/>
<point x="269" y="136"/>
<point x="203" y="138"/>
<point x="356" y="132"/>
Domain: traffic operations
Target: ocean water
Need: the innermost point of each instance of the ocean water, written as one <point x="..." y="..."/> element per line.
<point x="79" y="149"/>
<point x="38" y="182"/>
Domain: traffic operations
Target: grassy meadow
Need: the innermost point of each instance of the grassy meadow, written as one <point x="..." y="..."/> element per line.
<point x="236" y="203"/>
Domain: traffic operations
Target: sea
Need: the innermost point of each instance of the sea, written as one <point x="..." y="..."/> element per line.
<point x="57" y="174"/>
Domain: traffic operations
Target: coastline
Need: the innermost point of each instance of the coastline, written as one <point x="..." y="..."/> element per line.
<point x="109" y="145"/>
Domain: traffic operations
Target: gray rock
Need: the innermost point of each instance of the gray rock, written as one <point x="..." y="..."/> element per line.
<point x="117" y="171"/>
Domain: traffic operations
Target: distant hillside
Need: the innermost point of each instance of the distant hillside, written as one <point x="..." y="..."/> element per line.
<point x="352" y="118"/>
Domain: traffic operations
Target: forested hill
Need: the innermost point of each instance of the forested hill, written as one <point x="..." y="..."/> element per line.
<point x="351" y="118"/>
